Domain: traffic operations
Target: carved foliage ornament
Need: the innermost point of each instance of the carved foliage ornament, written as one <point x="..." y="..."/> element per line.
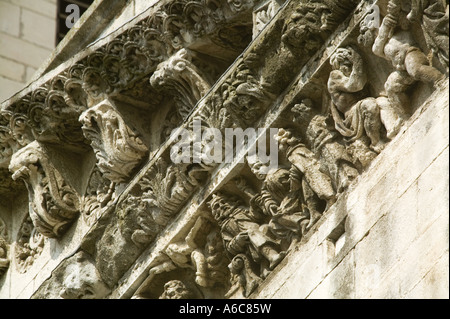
<point x="53" y="203"/>
<point x="117" y="148"/>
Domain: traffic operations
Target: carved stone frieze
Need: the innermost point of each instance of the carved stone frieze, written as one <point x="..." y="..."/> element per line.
<point x="198" y="228"/>
<point x="54" y="204"/>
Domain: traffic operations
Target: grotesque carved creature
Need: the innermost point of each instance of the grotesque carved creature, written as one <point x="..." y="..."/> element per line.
<point x="29" y="245"/>
<point x="205" y="256"/>
<point x="313" y="21"/>
<point x="305" y="162"/>
<point x="179" y="77"/>
<point x="54" y="204"/>
<point x="140" y="215"/>
<point x="117" y="148"/>
<point x="83" y="280"/>
<point x="242" y="276"/>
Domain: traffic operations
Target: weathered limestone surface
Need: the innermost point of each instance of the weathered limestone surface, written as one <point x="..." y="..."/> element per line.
<point x="351" y="97"/>
<point x="381" y="240"/>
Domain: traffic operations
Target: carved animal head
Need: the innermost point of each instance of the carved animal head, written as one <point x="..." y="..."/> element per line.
<point x="24" y="163"/>
<point x="169" y="69"/>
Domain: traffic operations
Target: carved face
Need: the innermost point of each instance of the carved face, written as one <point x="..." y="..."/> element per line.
<point x="175" y="289"/>
<point x="83" y="281"/>
<point x="342" y="60"/>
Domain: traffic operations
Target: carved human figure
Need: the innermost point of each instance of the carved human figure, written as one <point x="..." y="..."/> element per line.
<point x="410" y="63"/>
<point x="356" y="116"/>
<point x="204" y="255"/>
<point x="83" y="280"/>
<point x="305" y="162"/>
<point x="324" y="142"/>
<point x="433" y="15"/>
<point x="244" y="233"/>
<point x="282" y="198"/>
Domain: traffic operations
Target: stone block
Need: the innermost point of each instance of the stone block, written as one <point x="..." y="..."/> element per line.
<point x="12" y="70"/>
<point x="43" y="7"/>
<point x="22" y="51"/>
<point x="38" y="29"/>
<point x="339" y="283"/>
<point x="435" y="284"/>
<point x="9" y="18"/>
<point x="8" y="88"/>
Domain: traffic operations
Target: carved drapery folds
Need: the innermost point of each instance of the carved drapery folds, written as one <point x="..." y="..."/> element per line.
<point x="54" y="204"/>
<point x="117" y="148"/>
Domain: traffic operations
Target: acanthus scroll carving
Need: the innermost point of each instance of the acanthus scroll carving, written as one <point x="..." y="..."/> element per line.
<point x="54" y="204"/>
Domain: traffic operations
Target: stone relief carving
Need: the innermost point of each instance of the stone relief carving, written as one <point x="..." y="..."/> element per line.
<point x="82" y="280"/>
<point x="202" y="251"/>
<point x="245" y="94"/>
<point x="257" y="227"/>
<point x="145" y="216"/>
<point x="263" y="14"/>
<point x="359" y="118"/>
<point x="179" y="77"/>
<point x="244" y="232"/>
<point x="410" y="63"/>
<point x="28" y="246"/>
<point x="433" y="15"/>
<point x="324" y="141"/>
<point x="4" y="248"/>
<point x="117" y="148"/>
<point x="99" y="192"/>
<point x="54" y="204"/>
<point x="312" y="21"/>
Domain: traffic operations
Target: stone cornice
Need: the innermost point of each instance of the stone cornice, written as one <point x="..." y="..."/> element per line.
<point x="50" y="106"/>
